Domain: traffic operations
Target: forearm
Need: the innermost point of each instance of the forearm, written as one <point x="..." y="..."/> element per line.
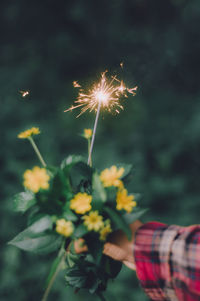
<point x="167" y="261"/>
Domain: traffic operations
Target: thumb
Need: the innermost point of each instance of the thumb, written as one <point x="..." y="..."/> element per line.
<point x="119" y="254"/>
<point x="114" y="252"/>
<point x="130" y="265"/>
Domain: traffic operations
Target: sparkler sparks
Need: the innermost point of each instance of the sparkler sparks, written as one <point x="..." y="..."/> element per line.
<point x="76" y="84"/>
<point x="106" y="92"/>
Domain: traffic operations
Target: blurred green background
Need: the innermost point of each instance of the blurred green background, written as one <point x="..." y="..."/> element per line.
<point x="45" y="46"/>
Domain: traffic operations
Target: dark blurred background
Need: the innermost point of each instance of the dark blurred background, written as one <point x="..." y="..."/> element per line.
<point x="45" y="46"/>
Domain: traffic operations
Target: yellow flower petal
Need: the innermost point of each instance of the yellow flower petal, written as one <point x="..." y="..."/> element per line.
<point x="105" y="231"/>
<point x="125" y="201"/>
<point x="28" y="133"/>
<point x="81" y="203"/>
<point x="64" y="227"/>
<point x="111" y="176"/>
<point x="87" y="133"/>
<point x="93" y="221"/>
<point x="36" y="179"/>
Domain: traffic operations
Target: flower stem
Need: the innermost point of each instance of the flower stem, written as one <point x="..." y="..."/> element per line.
<point x="93" y="135"/>
<point x="37" y="151"/>
<point x="47" y="291"/>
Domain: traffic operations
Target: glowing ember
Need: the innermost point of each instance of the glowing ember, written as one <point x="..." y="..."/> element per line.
<point x="24" y="93"/>
<point x="106" y="92"/>
<point x="76" y="84"/>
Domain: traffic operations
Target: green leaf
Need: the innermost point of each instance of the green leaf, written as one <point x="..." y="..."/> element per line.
<point x="69" y="214"/>
<point x="51" y="170"/>
<point x="128" y="172"/>
<point x="34" y="216"/>
<point x="76" y="277"/>
<point x="41" y="225"/>
<point x="78" y="172"/>
<point x="71" y="160"/>
<point x="127" y="169"/>
<point x="95" y="246"/>
<point x="137" y="196"/>
<point x="72" y="259"/>
<point x="37" y="238"/>
<point x="98" y="194"/>
<point x="80" y="176"/>
<point x="43" y="244"/>
<point x="80" y="231"/>
<point x="111" y="193"/>
<point x="112" y="267"/>
<point x="23" y="201"/>
<point x="61" y="188"/>
<point x="133" y="216"/>
<point x="118" y="221"/>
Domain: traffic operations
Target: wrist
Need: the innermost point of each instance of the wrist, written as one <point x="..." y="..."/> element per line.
<point x="130" y="244"/>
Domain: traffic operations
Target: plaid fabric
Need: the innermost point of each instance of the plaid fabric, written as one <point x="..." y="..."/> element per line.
<point x="168" y="261"/>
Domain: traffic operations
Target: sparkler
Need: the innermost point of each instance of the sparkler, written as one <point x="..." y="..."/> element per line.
<point x="105" y="94"/>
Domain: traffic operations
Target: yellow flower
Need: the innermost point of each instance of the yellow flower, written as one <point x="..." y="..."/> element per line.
<point x="87" y="133"/>
<point x="36" y="179"/>
<point x="64" y="227"/>
<point x="81" y="203"/>
<point x="124" y="201"/>
<point x="93" y="221"/>
<point x="105" y="231"/>
<point x="28" y="133"/>
<point x="111" y="176"/>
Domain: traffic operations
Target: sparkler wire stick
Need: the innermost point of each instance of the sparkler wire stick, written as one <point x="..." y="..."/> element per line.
<point x="93" y="135"/>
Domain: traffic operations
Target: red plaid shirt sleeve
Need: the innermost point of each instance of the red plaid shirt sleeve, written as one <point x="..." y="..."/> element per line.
<point x="167" y="261"/>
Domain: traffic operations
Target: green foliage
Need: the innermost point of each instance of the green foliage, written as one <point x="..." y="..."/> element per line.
<point x="70" y="161"/>
<point x="99" y="196"/>
<point x="61" y="188"/>
<point x="95" y="247"/>
<point x="78" y="173"/>
<point x="118" y="221"/>
<point x="128" y="171"/>
<point x="37" y="238"/>
<point x="85" y="274"/>
<point x="136" y="214"/>
<point x="68" y="214"/>
<point x="98" y="189"/>
<point x="91" y="271"/>
<point x="23" y="201"/>
<point x="80" y="231"/>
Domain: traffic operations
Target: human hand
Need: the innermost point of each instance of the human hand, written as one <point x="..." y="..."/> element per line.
<point x="118" y="247"/>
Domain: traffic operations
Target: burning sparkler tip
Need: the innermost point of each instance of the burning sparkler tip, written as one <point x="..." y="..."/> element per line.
<point x="104" y="94"/>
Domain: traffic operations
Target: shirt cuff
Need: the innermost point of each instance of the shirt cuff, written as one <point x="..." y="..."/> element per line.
<point x="147" y="261"/>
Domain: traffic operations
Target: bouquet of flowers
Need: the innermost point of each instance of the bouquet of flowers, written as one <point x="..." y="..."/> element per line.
<point x="75" y="202"/>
